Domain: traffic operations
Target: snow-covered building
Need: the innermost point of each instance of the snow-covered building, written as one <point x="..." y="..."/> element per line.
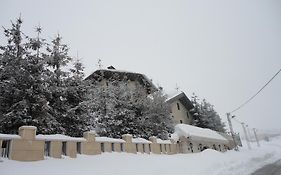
<point x="180" y="107"/>
<point x="133" y="79"/>
<point x="192" y="139"/>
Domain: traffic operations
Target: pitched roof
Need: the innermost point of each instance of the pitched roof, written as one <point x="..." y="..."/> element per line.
<point x="182" y="98"/>
<point x="123" y="75"/>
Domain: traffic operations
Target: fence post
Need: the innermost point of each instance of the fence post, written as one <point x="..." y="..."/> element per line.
<point x="27" y="148"/>
<point x="90" y="146"/>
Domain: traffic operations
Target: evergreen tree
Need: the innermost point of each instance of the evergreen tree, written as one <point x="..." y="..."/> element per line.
<point x="77" y="117"/>
<point x="129" y="110"/>
<point x="23" y="89"/>
<point x="205" y="115"/>
<point x="157" y="120"/>
<point x="37" y="89"/>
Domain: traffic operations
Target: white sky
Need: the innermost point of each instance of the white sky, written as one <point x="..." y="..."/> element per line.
<point x="223" y="50"/>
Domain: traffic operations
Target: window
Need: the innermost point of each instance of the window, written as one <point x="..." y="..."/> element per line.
<point x="149" y="147"/>
<point x="160" y="148"/>
<point x="137" y="147"/>
<point x="180" y="121"/>
<point x="178" y="105"/>
<point x="143" y="147"/>
<point x="112" y="146"/>
<point x="122" y="147"/>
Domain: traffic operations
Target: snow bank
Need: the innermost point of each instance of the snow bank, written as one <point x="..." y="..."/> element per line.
<point x="208" y="162"/>
<point x="140" y="140"/>
<point x="107" y="139"/>
<point x="163" y="141"/>
<point x="197" y="133"/>
<point x="59" y="137"/>
<point x="9" y="136"/>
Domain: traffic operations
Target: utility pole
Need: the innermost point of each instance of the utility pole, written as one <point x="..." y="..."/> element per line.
<point x="246" y="135"/>
<point x="231" y="131"/>
<point x="255" y="133"/>
<point x="249" y="133"/>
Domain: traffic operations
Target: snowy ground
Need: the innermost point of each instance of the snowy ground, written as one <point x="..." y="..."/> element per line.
<point x="208" y="162"/>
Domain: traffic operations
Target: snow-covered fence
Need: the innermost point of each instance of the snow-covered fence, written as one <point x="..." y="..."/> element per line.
<point x="27" y="146"/>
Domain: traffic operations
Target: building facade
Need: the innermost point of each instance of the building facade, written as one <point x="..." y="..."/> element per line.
<point x="180" y="107"/>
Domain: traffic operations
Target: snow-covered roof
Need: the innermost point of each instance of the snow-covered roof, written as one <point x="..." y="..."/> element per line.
<point x="181" y="96"/>
<point x="140" y="140"/>
<point x="59" y="137"/>
<point x="196" y="133"/>
<point x="107" y="139"/>
<point x="160" y="141"/>
<point x="9" y="136"/>
<point x="108" y="73"/>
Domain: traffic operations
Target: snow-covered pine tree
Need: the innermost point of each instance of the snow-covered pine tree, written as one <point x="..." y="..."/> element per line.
<point x="22" y="87"/>
<point x="205" y="116"/>
<point x="77" y="117"/>
<point x="57" y="59"/>
<point x="156" y="120"/>
<point x="119" y="118"/>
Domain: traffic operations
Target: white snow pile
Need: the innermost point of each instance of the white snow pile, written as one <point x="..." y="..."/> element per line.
<point x="107" y="139"/>
<point x="197" y="133"/>
<point x="59" y="137"/>
<point x="208" y="162"/>
<point x="140" y="140"/>
<point x="9" y="136"/>
<point x="160" y="141"/>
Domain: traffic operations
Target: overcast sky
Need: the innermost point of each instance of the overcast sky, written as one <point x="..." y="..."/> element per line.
<point x="223" y="50"/>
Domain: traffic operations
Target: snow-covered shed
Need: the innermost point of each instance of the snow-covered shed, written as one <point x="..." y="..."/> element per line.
<point x="195" y="139"/>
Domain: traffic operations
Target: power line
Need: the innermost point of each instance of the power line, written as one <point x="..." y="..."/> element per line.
<point x="243" y="104"/>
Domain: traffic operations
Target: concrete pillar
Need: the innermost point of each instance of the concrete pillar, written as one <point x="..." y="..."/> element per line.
<point x="55" y="149"/>
<point x="183" y="145"/>
<point x="146" y="148"/>
<point x="117" y="147"/>
<point x="71" y="149"/>
<point x="27" y="148"/>
<point x="155" y="147"/>
<point x="90" y="146"/>
<point x="140" y="147"/>
<point x="27" y="132"/>
<point x="129" y="146"/>
<point x="174" y="147"/>
<point x="108" y="147"/>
